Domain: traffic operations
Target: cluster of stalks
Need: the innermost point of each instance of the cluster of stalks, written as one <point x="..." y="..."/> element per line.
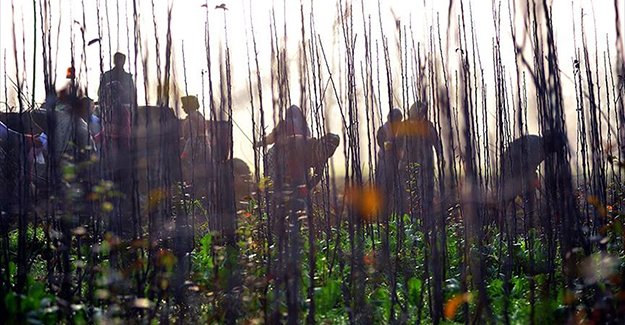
<point x="459" y="235"/>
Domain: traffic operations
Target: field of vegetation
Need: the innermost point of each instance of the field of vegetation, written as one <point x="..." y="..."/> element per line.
<point x="80" y="244"/>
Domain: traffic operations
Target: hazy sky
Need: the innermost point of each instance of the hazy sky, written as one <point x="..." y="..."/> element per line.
<point x="188" y="25"/>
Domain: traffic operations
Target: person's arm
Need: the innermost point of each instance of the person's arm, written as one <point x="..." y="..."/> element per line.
<point x="269" y="139"/>
<point x="4" y="131"/>
<point x="380" y="137"/>
<point x="272" y="136"/>
<point x="400" y="146"/>
<point x="133" y="89"/>
<point x="436" y="143"/>
<point x="101" y="87"/>
<point x="184" y="129"/>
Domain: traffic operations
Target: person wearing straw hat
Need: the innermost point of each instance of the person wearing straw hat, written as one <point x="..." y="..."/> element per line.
<point x="194" y="125"/>
<point x="196" y="145"/>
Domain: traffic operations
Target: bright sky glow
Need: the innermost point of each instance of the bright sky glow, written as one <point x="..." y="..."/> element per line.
<point x="188" y="26"/>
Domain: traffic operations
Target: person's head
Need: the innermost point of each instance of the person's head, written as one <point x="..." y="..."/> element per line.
<point x="86" y="107"/>
<point x="69" y="95"/>
<point x="119" y="59"/>
<point x="190" y="103"/>
<point x="554" y="141"/>
<point x="294" y="112"/>
<point x="240" y="167"/>
<point x="395" y="115"/>
<point x="418" y="110"/>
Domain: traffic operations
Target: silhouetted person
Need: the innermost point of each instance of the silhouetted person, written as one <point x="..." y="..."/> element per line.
<point x="195" y="156"/>
<point x="520" y="162"/>
<point x="389" y="155"/>
<point x="71" y="147"/>
<point x="194" y="130"/>
<point x="291" y="137"/>
<point x="117" y="99"/>
<point x="321" y="150"/>
<point x="87" y="114"/>
<point x="15" y="167"/>
<point x="116" y="85"/>
<point x="422" y="141"/>
<point x="72" y="140"/>
<point x="242" y="182"/>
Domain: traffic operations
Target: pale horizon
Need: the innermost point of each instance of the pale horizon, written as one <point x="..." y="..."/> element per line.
<point x="189" y="18"/>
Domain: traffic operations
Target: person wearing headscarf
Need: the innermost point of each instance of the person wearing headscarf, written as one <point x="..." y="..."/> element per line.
<point x="293" y="126"/>
<point x="291" y="138"/>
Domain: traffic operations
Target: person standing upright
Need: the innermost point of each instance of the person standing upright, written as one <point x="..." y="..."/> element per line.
<point x="117" y="100"/>
<point x="422" y="141"/>
<point x="389" y="155"/>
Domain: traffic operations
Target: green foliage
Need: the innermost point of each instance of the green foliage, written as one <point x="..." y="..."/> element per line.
<point x="328" y="296"/>
<point x="203" y="259"/>
<point x="213" y="263"/>
<point x="36" y="305"/>
<point x="380" y="299"/>
<point x="414" y="290"/>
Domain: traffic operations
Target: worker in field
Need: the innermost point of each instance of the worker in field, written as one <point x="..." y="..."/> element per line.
<point x="422" y="142"/>
<point x="390" y="149"/>
<point x="520" y="161"/>
<point x="117" y="101"/>
<point x="291" y="137"/>
<point x="117" y="97"/>
<point x="16" y="160"/>
<point x="196" y="154"/>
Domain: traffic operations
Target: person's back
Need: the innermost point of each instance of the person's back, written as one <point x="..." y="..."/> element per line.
<point x="521" y="159"/>
<point x="95" y="125"/>
<point x="387" y="135"/>
<point x="294" y="125"/>
<point x="387" y="167"/>
<point x="194" y="126"/>
<point x="116" y="96"/>
<point x="384" y="138"/>
<point x="291" y="138"/>
<point x="118" y="84"/>
<point x="71" y="134"/>
<point x="421" y="141"/>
